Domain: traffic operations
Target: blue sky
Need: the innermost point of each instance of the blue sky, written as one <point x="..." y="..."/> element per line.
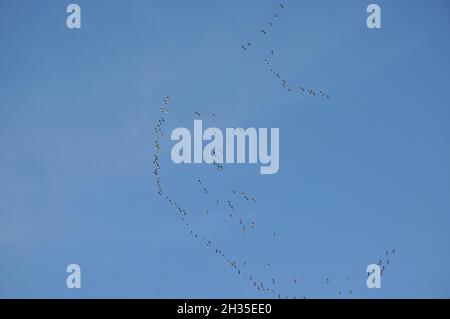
<point x="365" y="171"/>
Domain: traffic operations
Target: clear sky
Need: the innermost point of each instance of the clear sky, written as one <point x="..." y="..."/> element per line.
<point x="363" y="172"/>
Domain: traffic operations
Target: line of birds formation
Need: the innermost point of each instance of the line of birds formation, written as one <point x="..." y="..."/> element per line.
<point x="265" y="31"/>
<point x="230" y="205"/>
<point x="233" y="215"/>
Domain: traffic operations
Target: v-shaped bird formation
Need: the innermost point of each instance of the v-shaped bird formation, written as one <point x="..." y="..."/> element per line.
<point x="231" y="207"/>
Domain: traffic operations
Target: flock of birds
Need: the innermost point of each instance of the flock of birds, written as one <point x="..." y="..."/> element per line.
<point x="384" y="261"/>
<point x="184" y="213"/>
<point x="271" y="54"/>
<point x="233" y="215"/>
<point x="230" y="205"/>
